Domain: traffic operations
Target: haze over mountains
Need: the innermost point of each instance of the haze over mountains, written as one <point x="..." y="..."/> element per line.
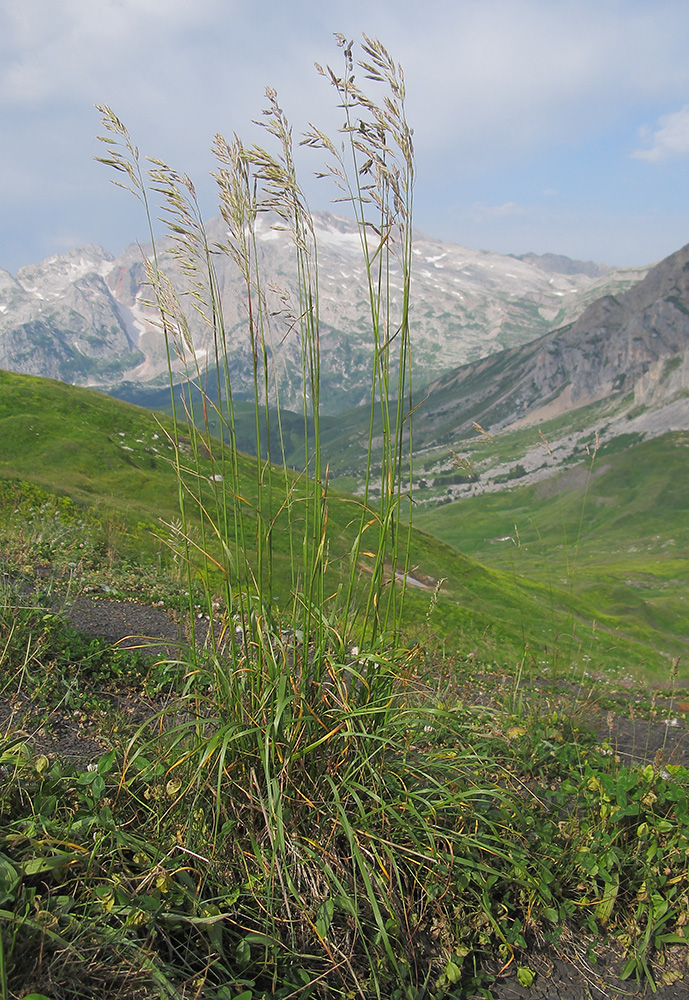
<point x="84" y="317"/>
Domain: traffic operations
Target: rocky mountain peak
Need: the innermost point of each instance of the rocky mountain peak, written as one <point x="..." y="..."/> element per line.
<point x="92" y="316"/>
<point x="55" y="274"/>
<point x="632" y="345"/>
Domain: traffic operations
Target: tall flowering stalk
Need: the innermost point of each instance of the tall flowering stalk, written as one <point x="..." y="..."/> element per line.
<point x="372" y="167"/>
<point x="374" y="171"/>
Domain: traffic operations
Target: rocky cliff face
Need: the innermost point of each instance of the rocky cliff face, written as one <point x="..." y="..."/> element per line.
<point x="85" y="317"/>
<point x="633" y="345"/>
<point x="58" y="319"/>
<point x="618" y="339"/>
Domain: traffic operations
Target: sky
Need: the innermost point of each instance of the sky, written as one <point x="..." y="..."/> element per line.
<point x="540" y="126"/>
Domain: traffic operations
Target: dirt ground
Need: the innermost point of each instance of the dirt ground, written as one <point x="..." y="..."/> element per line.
<point x="590" y="974"/>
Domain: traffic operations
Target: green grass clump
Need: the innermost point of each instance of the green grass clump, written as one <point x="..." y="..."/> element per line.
<point x="263" y="837"/>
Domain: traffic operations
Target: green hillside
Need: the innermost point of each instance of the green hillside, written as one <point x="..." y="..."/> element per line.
<point x="116" y="462"/>
<point x="613" y="532"/>
<point x="344" y="438"/>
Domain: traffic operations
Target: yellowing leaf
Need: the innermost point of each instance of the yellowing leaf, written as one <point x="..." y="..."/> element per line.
<point x="515" y="731"/>
<point x="172" y="787"/>
<point x="108" y="901"/>
<point x="41" y="763"/>
<point x="163" y="881"/>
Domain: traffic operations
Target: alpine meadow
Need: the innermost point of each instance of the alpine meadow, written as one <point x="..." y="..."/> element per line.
<point x="364" y="743"/>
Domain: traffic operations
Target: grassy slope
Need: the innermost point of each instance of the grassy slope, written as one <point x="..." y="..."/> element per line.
<point x="100" y="452"/>
<point x="344" y="437"/>
<point x="614" y="533"/>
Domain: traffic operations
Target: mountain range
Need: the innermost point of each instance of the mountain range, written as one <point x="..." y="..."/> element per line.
<point x="541" y="345"/>
<point x="84" y="317"/>
<point x="634" y="344"/>
<point x="620" y="370"/>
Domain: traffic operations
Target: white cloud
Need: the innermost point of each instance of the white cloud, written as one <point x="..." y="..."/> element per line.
<point x="495" y="86"/>
<point x="670" y="139"/>
<point x="507" y="77"/>
<point x="60" y="50"/>
<point x="485" y="77"/>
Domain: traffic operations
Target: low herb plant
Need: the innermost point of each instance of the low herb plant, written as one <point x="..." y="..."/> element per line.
<point x="46" y="664"/>
<point x="386" y="859"/>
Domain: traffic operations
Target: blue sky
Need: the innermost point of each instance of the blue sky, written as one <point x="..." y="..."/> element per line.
<point x="540" y="125"/>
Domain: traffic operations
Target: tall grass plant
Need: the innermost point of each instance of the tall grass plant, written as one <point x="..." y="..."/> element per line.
<point x="296" y="715"/>
<point x="296" y="758"/>
<point x="373" y="167"/>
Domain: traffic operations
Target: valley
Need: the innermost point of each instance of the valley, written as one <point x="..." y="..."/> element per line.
<point x="116" y="464"/>
<point x="612" y="527"/>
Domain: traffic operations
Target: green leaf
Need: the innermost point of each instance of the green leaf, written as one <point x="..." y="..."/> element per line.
<point x="106" y="762"/>
<point x="663" y="939"/>
<point x="231" y="896"/>
<point x="9" y="876"/>
<point x="346" y="904"/>
<point x="453" y="972"/>
<point x="243" y="952"/>
<point x="37" y="865"/>
<point x="325" y="917"/>
<point x="605" y="907"/>
<point x="262" y="939"/>
<point x="525" y="976"/>
<point x="630" y="966"/>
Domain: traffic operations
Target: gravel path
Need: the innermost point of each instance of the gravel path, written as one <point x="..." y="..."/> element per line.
<point x="130" y="624"/>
